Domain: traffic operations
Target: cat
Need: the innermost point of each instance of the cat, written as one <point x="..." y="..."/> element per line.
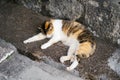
<point x="71" y="33"/>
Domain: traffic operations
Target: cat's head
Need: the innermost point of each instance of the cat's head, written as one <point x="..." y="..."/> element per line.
<point x="47" y="28"/>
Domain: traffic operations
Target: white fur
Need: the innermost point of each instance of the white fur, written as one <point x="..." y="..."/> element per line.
<point x="58" y="35"/>
<point x="65" y="58"/>
<point x="73" y="65"/>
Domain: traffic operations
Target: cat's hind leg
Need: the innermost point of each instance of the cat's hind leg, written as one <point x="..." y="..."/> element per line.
<point x="73" y="65"/>
<point x="37" y="37"/>
<point x="70" y="54"/>
<point x="64" y="58"/>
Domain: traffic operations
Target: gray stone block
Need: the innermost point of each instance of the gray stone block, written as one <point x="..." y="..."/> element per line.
<point x="20" y="67"/>
<point x="103" y="17"/>
<point x="114" y="62"/>
<point x="6" y="49"/>
<point x="65" y="9"/>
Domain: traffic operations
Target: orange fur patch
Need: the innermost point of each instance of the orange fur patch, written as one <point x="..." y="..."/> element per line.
<point x="46" y="24"/>
<point x="85" y="49"/>
<point x="50" y="25"/>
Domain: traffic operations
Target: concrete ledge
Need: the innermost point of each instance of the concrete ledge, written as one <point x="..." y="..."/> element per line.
<point x="6" y="49"/>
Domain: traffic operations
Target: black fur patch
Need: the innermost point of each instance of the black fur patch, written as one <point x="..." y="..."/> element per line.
<point x="85" y="36"/>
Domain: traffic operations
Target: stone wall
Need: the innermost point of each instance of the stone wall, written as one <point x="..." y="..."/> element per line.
<point x="2" y="2"/>
<point x="102" y="17"/>
<point x="65" y="9"/>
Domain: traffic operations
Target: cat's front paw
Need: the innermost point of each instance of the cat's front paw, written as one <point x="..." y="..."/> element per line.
<point x="69" y="69"/>
<point x="44" y="46"/>
<point x="25" y="41"/>
<point x="62" y="59"/>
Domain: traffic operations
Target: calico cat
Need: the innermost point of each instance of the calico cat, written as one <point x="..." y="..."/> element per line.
<point x="73" y="34"/>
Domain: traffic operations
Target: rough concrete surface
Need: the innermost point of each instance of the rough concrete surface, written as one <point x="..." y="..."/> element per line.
<point x="18" y="23"/>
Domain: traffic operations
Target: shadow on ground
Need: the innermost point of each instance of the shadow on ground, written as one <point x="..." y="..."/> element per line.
<point x="18" y="23"/>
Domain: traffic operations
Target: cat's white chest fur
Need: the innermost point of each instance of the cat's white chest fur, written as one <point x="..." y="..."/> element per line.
<point x="59" y="34"/>
<point x="57" y="24"/>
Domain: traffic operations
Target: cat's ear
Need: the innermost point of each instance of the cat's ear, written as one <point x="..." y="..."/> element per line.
<point x="47" y="24"/>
